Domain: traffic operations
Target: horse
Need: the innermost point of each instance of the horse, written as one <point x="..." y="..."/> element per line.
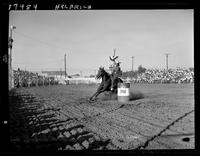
<point x="105" y="83"/>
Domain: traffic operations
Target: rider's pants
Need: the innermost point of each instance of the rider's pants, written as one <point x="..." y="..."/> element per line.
<point x="112" y="81"/>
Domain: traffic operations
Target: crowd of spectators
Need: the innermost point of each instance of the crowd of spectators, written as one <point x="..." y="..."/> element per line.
<point x="178" y="75"/>
<point x="24" y="78"/>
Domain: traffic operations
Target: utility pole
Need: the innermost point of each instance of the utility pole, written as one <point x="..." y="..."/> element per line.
<point x="167" y="54"/>
<point x="65" y="66"/>
<point x="132" y="67"/>
<point x="11" y="77"/>
<point x="132" y="62"/>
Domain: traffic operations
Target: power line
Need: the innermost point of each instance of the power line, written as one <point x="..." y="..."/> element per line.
<point x="44" y="62"/>
<point x="43" y="42"/>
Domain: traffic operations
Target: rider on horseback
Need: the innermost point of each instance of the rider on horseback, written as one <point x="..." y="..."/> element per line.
<point x="115" y="71"/>
<point x="108" y="79"/>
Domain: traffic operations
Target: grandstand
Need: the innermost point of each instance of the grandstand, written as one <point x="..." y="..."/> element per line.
<point x="23" y="78"/>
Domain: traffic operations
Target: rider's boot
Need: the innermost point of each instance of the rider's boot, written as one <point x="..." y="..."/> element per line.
<point x="111" y="88"/>
<point x="112" y="83"/>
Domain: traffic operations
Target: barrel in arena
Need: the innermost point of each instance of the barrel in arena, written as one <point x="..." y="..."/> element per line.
<point x="123" y="92"/>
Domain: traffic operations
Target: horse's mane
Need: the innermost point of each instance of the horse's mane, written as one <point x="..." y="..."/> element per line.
<point x="105" y="73"/>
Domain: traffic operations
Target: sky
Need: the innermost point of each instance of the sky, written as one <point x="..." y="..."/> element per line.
<point x="89" y="37"/>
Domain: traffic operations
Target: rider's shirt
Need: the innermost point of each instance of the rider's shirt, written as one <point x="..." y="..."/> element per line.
<point x="116" y="71"/>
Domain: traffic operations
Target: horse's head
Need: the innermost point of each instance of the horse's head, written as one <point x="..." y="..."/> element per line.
<point x="100" y="73"/>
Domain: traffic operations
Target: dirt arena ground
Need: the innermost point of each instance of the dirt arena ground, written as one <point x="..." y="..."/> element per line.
<point x="159" y="116"/>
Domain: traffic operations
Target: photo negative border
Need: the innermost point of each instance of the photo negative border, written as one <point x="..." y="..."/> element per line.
<point x="8" y="5"/>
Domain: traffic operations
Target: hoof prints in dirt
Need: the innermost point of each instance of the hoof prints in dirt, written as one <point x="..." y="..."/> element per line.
<point x="32" y="127"/>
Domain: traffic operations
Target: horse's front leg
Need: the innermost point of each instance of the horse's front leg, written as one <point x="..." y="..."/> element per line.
<point x="94" y="95"/>
<point x="97" y="92"/>
<point x="102" y="89"/>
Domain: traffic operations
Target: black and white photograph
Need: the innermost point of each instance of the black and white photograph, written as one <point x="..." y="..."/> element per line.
<point x="101" y="79"/>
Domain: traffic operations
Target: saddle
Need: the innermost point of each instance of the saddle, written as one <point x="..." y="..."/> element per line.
<point x="117" y="73"/>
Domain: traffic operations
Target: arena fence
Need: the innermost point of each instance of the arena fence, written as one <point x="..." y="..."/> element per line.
<point x="23" y="78"/>
<point x="29" y="79"/>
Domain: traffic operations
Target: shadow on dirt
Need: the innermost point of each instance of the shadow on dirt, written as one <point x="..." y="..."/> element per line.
<point x="33" y="127"/>
<point x="136" y="95"/>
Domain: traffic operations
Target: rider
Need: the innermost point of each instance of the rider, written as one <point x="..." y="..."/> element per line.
<point x="115" y="71"/>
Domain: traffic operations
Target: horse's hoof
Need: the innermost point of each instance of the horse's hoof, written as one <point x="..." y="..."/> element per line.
<point x="92" y="100"/>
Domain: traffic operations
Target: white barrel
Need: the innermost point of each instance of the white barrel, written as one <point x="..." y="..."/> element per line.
<point x="123" y="92"/>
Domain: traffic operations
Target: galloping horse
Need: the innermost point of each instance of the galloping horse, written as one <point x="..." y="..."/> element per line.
<point x="105" y="83"/>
